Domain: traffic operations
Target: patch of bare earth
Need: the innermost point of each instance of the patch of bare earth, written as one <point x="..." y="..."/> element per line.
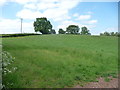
<point x="113" y="83"/>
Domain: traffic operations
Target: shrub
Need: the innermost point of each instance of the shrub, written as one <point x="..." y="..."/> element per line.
<point x="6" y="61"/>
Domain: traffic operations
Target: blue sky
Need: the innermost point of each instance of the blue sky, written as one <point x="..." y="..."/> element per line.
<point x="96" y="16"/>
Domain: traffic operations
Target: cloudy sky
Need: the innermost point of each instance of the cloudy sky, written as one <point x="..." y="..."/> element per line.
<point x="97" y="16"/>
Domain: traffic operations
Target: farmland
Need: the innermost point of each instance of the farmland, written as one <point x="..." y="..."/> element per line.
<point x="58" y="61"/>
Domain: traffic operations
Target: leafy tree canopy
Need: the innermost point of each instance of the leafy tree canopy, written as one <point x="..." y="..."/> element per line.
<point x="72" y="29"/>
<point x="42" y="25"/>
<point x="85" y="31"/>
<point x="61" y="31"/>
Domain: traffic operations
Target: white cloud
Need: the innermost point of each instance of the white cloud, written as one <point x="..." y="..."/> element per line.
<point x="56" y="13"/>
<point x="89" y="12"/>
<point x="100" y="1"/>
<point x="28" y="27"/>
<point x="68" y="4"/>
<point x="49" y="13"/>
<point x="54" y="9"/>
<point x="13" y="26"/>
<point x="2" y="2"/>
<point x="75" y="15"/>
<point x="7" y="25"/>
<point x="48" y="1"/>
<point x="84" y="17"/>
<point x="60" y="19"/>
<point x="44" y="5"/>
<point x="24" y="1"/>
<point x="28" y="14"/>
<point x="30" y="6"/>
<point x="92" y="21"/>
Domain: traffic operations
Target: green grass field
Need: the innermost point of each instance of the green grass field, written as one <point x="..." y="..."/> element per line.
<point x="57" y="61"/>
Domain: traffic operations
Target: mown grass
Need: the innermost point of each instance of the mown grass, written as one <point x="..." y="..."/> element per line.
<point x="57" y="61"/>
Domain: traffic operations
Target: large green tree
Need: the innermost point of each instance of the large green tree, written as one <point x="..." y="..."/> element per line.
<point x="61" y="31"/>
<point x="72" y="29"/>
<point x="85" y="31"/>
<point x="42" y="25"/>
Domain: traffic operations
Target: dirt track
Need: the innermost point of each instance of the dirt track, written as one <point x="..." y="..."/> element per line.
<point x="113" y="83"/>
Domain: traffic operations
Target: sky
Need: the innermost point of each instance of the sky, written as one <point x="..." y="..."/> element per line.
<point x="98" y="16"/>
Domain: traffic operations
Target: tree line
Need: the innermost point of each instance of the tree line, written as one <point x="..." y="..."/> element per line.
<point x="110" y="34"/>
<point x="74" y="29"/>
<point x="45" y="27"/>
